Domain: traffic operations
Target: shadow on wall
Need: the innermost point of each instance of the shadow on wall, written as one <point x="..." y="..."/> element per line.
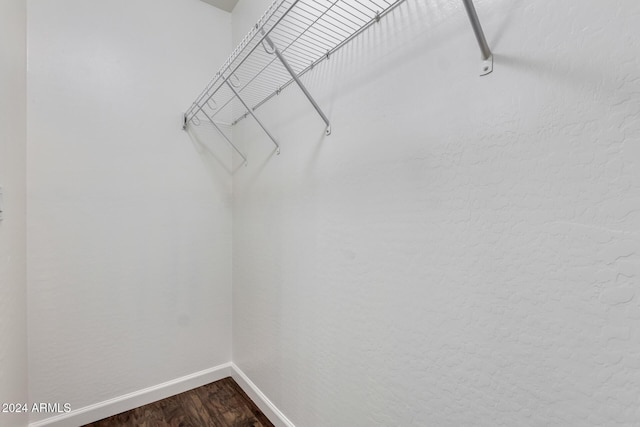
<point x="212" y="147"/>
<point x="506" y="22"/>
<point x="385" y="40"/>
<point x="383" y="48"/>
<point x="578" y="76"/>
<point x="216" y="155"/>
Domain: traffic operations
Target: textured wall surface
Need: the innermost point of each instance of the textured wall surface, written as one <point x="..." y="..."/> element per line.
<point x="13" y="126"/>
<point x="129" y="222"/>
<point x="461" y="251"/>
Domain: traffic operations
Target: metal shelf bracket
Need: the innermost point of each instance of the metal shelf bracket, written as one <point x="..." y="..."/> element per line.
<point x="250" y="111"/>
<point x="215" y="125"/>
<point x="306" y="32"/>
<point x="486" y="67"/>
<point x="274" y="50"/>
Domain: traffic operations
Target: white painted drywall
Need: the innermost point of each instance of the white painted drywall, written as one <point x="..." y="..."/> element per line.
<point x="13" y="285"/>
<point x="461" y="250"/>
<point x="129" y="221"/>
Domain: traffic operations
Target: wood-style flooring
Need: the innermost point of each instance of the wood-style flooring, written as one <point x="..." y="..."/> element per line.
<point x="219" y="404"/>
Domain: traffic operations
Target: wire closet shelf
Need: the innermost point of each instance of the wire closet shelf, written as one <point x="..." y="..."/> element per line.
<point x="290" y="38"/>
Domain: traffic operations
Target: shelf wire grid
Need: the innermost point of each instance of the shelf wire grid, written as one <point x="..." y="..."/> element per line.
<point x="305" y="31"/>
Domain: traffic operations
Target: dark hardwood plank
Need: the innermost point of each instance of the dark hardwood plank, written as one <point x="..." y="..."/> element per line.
<point x="219" y="404"/>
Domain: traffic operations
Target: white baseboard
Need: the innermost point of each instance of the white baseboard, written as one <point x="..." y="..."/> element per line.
<point x="133" y="400"/>
<point x="259" y="398"/>
<point x="101" y="410"/>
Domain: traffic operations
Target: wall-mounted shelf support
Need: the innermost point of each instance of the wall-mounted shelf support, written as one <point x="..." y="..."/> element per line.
<point x="294" y="76"/>
<point x="486" y="66"/>
<point x="220" y="131"/>
<point x="250" y="111"/>
<point x="307" y="32"/>
<point x="244" y="158"/>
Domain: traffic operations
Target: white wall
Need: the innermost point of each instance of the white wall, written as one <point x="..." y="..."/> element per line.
<point x="461" y="250"/>
<point x="129" y="268"/>
<point x="13" y="304"/>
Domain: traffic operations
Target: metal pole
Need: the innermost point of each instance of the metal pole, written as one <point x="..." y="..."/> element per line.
<point x="297" y="80"/>
<point x="250" y="111"/>
<point x="266" y="16"/>
<point x="225" y="136"/>
<point x="477" y="29"/>
<point x="201" y="110"/>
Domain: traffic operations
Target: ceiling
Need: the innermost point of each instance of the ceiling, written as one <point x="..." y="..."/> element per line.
<point x="227" y="5"/>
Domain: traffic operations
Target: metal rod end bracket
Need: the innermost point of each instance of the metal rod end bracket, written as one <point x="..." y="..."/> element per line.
<point x="487" y="66"/>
